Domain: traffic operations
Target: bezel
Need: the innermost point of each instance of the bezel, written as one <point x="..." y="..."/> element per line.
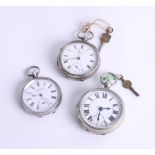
<point x="111" y="127"/>
<point x="51" y="110"/>
<point x="83" y="76"/>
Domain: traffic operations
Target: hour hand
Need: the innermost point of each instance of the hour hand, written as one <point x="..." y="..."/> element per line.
<point x="98" y="118"/>
<point x="107" y="108"/>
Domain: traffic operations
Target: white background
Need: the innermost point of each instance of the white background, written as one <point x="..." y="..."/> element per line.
<point x="34" y="35"/>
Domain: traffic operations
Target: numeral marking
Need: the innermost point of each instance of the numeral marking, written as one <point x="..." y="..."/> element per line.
<point x="110" y="99"/>
<point x="104" y="95"/>
<point x="53" y="97"/>
<point x="50" y="86"/>
<point x="92" y="61"/>
<point x="32" y="104"/>
<point x="86" y="112"/>
<point x="32" y="87"/>
<point x="114" y="105"/>
<point x="115" y="112"/>
<point x="86" y="105"/>
<point x="97" y="95"/>
<point x="53" y="91"/>
<point x="90" y="118"/>
<point x="65" y="55"/>
<point x="90" y="99"/>
<point x="28" y="99"/>
<point x="65" y="61"/>
<point x="92" y="54"/>
<point x="88" y="66"/>
<point x="69" y="67"/>
<point x="111" y="118"/>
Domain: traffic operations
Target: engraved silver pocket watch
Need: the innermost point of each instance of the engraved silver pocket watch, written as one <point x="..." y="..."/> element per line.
<point x="79" y="60"/>
<point x="101" y="110"/>
<point x="42" y="95"/>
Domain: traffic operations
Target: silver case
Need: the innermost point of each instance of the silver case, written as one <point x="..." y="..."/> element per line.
<point x="52" y="110"/>
<point x="74" y="76"/>
<point x="102" y="131"/>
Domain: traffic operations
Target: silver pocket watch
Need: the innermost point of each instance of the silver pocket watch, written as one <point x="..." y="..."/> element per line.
<point x="79" y="60"/>
<point x="101" y="110"/>
<point x="42" y="95"/>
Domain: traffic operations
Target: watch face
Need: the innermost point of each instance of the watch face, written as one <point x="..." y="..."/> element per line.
<point x="79" y="58"/>
<point x="100" y="110"/>
<point x="41" y="96"/>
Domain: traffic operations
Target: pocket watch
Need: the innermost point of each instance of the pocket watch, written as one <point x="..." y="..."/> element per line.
<point x="101" y="110"/>
<point x="42" y="95"/>
<point x="79" y="59"/>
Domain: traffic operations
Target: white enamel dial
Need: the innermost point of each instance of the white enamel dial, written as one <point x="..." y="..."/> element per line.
<point x="41" y="96"/>
<point x="100" y="109"/>
<point x="79" y="58"/>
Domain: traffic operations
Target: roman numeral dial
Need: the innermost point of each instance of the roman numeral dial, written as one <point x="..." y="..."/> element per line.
<point x="78" y="58"/>
<point x="41" y="95"/>
<point x="100" y="108"/>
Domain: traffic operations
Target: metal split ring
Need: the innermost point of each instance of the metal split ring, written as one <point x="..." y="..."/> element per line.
<point x="85" y="35"/>
<point x="33" y="71"/>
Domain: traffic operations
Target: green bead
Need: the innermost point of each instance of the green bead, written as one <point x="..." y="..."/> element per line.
<point x="108" y="79"/>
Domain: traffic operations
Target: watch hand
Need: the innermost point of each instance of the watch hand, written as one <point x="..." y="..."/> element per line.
<point x="98" y="116"/>
<point x="107" y="108"/>
<point x="41" y="95"/>
<point x="100" y="109"/>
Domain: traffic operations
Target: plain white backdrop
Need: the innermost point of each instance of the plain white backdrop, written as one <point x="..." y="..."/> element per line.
<point x="34" y="35"/>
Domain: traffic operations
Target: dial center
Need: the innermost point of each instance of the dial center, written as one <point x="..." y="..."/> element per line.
<point x="100" y="108"/>
<point x="78" y="58"/>
<point x="40" y="94"/>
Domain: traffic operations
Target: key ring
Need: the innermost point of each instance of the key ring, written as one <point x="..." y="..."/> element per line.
<point x="107" y="27"/>
<point x="33" y="71"/>
<point x="86" y="33"/>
